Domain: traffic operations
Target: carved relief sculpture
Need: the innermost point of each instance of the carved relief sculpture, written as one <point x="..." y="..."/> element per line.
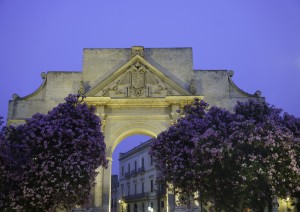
<point x="138" y="81"/>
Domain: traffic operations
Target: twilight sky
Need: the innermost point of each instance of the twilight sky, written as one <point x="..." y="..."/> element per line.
<point x="259" y="40"/>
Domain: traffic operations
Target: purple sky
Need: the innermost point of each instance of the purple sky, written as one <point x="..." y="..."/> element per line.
<point x="259" y="40"/>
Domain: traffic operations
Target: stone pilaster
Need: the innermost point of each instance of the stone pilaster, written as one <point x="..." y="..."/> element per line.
<point x="106" y="194"/>
<point x="98" y="188"/>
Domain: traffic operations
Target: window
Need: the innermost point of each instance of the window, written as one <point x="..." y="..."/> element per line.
<point x="162" y="204"/>
<point x="129" y="168"/>
<point x="151" y="160"/>
<point x="135" y="168"/>
<point x="143" y="187"/>
<point x="151" y="185"/>
<point x="142" y="162"/>
<point x="128" y="186"/>
<point x="122" y="171"/>
<point x="135" y="190"/>
<point x="122" y="190"/>
<point x="143" y="207"/>
<point x="135" y="208"/>
<point x="128" y="208"/>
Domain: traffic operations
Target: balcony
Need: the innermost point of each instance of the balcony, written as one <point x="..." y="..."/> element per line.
<point x="127" y="174"/>
<point x="133" y="172"/>
<point x="141" y="170"/>
<point x="136" y="197"/>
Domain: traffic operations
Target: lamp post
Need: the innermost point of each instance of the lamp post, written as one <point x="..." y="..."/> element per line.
<point x="121" y="202"/>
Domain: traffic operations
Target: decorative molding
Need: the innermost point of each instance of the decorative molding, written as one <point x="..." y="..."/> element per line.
<point x="81" y="90"/>
<point x="257" y="93"/>
<point x="193" y="88"/>
<point x="141" y="102"/>
<point x="15" y="96"/>
<point x="131" y="128"/>
<point x="137" y="50"/>
<point x="16" y="122"/>
<point x="141" y="117"/>
<point x="174" y="116"/>
<point x="44" y="77"/>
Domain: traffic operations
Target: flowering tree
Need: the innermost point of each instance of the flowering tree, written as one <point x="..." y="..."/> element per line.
<point x="293" y="124"/>
<point x="233" y="160"/>
<point x="3" y="176"/>
<point x="173" y="151"/>
<point x="266" y="151"/>
<point x="216" y="169"/>
<point x="60" y="152"/>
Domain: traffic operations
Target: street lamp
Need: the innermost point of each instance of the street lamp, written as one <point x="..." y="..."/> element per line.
<point x="150" y="209"/>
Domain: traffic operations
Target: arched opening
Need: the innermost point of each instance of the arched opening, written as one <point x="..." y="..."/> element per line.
<point x="126" y="145"/>
<point x="116" y="134"/>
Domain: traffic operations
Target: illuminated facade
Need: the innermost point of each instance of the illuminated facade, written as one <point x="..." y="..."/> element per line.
<point x="138" y="187"/>
<point x="136" y="91"/>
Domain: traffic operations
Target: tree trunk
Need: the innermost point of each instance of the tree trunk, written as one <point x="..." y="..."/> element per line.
<point x="274" y="205"/>
<point x="241" y="204"/>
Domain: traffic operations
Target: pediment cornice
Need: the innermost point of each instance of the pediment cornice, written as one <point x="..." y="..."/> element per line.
<point x="137" y="79"/>
<point x="141" y="102"/>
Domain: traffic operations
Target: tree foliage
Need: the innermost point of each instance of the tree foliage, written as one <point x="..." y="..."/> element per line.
<point x="234" y="159"/>
<point x="52" y="158"/>
<point x="3" y="175"/>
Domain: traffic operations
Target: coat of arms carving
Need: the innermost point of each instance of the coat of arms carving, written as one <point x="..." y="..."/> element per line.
<point x="138" y="80"/>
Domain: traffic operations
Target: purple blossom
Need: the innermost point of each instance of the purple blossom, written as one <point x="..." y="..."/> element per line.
<point x="54" y="157"/>
<point x="251" y="154"/>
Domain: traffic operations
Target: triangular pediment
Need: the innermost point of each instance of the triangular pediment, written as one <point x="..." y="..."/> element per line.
<point x="138" y="79"/>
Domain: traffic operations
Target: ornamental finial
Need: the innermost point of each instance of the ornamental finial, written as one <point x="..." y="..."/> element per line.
<point x="81" y="90"/>
<point x="257" y="93"/>
<point x="137" y="50"/>
<point x="193" y="88"/>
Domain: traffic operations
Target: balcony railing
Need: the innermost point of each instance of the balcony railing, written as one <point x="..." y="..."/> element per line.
<point x="133" y="172"/>
<point x="127" y="174"/>
<point x="136" y="196"/>
<point x="141" y="170"/>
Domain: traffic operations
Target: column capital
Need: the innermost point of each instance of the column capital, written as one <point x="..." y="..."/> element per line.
<point x="109" y="159"/>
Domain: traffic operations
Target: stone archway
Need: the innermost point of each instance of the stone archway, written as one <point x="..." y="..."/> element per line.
<point x="135" y="90"/>
<point x="124" y="117"/>
<point x="128" y="129"/>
